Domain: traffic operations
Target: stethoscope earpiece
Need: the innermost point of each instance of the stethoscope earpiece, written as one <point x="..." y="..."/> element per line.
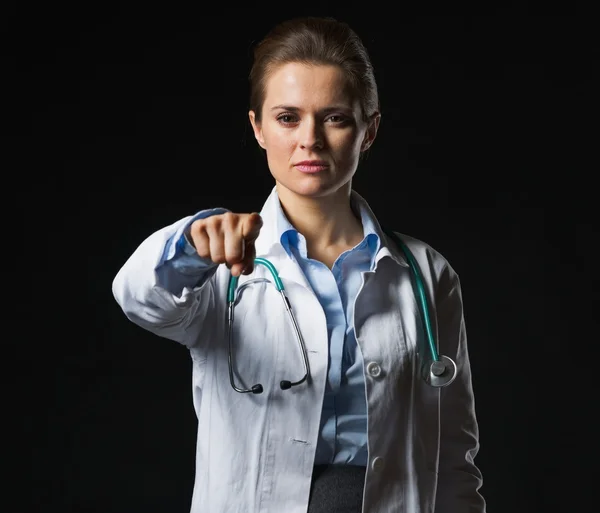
<point x="231" y="300"/>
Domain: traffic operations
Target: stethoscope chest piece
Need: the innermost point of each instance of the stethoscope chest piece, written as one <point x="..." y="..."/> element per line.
<point x="441" y="372"/>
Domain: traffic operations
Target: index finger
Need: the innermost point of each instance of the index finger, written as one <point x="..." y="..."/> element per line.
<point x="251" y="227"/>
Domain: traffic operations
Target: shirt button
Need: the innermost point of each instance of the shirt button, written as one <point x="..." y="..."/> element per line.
<point x="377" y="464"/>
<point x="374" y="369"/>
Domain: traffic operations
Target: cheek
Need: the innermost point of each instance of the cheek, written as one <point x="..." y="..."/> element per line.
<point x="278" y="146"/>
<point x="348" y="145"/>
<point x="347" y="139"/>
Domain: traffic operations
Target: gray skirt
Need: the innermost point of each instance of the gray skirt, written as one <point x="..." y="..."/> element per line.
<point x="337" y="489"/>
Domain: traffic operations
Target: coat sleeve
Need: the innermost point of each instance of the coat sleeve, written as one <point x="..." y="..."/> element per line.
<point x="459" y="479"/>
<point x="140" y="288"/>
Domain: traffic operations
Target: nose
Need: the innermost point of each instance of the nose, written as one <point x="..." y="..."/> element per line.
<point x="311" y="135"/>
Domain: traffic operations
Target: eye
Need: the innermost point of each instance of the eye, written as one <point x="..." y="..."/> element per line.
<point x="286" y="118"/>
<point x="338" y="119"/>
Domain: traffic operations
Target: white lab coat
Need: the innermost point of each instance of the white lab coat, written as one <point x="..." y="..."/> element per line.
<point x="255" y="453"/>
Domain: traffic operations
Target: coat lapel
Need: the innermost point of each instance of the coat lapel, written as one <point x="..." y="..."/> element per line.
<point x="268" y="245"/>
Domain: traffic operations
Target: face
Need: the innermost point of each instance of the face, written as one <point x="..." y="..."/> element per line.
<point x="312" y="129"/>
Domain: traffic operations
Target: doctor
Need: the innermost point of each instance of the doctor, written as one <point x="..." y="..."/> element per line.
<point x="364" y="432"/>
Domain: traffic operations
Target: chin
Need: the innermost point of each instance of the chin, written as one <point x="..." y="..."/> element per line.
<point x="311" y="188"/>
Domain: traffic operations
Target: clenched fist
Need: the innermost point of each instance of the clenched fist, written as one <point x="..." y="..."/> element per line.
<point x="227" y="239"/>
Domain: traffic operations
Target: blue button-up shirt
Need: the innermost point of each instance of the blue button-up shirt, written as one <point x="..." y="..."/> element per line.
<point x="343" y="427"/>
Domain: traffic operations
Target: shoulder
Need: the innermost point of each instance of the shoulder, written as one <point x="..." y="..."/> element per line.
<point x="422" y="249"/>
<point x="432" y="262"/>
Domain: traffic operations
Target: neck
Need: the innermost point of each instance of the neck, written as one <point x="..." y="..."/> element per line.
<point x="325" y="222"/>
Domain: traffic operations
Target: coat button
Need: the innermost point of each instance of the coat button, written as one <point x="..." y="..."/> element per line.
<point x="374" y="369"/>
<point x="377" y="464"/>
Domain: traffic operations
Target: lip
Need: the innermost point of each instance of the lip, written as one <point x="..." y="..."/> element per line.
<point x="311" y="166"/>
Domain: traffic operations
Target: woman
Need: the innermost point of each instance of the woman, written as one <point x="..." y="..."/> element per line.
<point x="340" y="418"/>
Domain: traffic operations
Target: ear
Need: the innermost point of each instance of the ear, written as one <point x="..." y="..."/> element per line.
<point x="257" y="129"/>
<point x="371" y="132"/>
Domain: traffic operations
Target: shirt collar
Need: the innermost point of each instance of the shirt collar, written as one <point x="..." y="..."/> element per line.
<point x="275" y="224"/>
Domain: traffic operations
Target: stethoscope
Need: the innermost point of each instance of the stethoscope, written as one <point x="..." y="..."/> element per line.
<point x="440" y="371"/>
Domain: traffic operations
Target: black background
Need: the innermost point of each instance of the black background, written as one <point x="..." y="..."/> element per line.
<point x="128" y="119"/>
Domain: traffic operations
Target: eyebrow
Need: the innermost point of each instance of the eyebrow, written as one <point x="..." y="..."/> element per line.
<point x="333" y="108"/>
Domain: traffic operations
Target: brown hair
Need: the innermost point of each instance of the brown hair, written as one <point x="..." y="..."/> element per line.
<point x="313" y="40"/>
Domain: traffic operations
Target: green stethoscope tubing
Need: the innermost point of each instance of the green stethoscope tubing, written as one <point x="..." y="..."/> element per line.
<point x="233" y="281"/>
<point x="422" y="297"/>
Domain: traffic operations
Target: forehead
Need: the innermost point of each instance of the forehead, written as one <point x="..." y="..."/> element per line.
<point x="307" y="86"/>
